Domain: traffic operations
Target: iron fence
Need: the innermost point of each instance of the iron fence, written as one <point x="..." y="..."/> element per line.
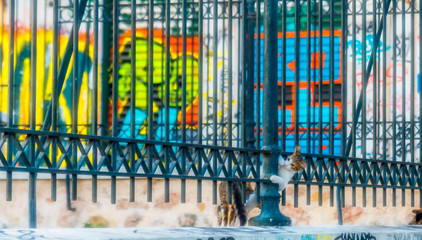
<point x="207" y="90"/>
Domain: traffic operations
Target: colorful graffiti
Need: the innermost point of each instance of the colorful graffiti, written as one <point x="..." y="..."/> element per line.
<point x="294" y="68"/>
<point x="395" y="64"/>
<point x="159" y="76"/>
<point x="44" y="79"/>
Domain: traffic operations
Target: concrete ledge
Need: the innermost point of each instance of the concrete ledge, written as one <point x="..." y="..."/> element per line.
<point x="231" y="233"/>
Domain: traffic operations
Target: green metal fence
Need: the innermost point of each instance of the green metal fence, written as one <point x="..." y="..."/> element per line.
<point x="213" y="90"/>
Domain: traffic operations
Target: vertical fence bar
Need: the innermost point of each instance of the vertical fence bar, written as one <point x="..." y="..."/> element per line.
<point x="344" y="108"/>
<point x="283" y="77"/>
<point x="284" y="83"/>
<point x="331" y="103"/>
<point x="150" y="91"/>
<point x="75" y="97"/>
<point x="10" y="107"/>
<point x="115" y="97"/>
<point x="32" y="113"/>
<point x="258" y="74"/>
<point x="344" y="53"/>
<point x="412" y="98"/>
<point x="308" y="93"/>
<point x="167" y="101"/>
<point x="230" y="98"/>
<point x="214" y="90"/>
<point x="394" y="91"/>
<point x="249" y="77"/>
<point x="384" y="97"/>
<point x="296" y="91"/>
<point x="270" y="215"/>
<point x="354" y="121"/>
<point x="244" y="55"/>
<point x="107" y="11"/>
<point x="54" y="98"/>
<point x="364" y="73"/>
<point x="184" y="26"/>
<point x="258" y="91"/>
<point x="221" y="90"/>
<point x="95" y="101"/>
<point x="320" y="128"/>
<point x="133" y="97"/>
<point x="85" y="68"/>
<point x="230" y="72"/>
<point x="200" y="90"/>
<point x="374" y="99"/>
<point x="420" y="90"/>
<point x="403" y="96"/>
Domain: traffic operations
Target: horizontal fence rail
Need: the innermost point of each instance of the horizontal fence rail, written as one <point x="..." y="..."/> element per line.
<point x="137" y="158"/>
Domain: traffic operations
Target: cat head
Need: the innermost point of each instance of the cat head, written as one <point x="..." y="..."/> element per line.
<point x="296" y="161"/>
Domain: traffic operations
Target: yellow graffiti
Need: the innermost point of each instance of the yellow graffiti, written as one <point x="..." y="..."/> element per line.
<point x="325" y="237"/>
<point x="44" y="76"/>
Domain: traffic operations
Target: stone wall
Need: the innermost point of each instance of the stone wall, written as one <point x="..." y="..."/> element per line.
<point x="157" y="213"/>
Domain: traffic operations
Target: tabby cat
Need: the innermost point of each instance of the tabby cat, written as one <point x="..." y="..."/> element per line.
<point x="227" y="213"/>
<point x="286" y="170"/>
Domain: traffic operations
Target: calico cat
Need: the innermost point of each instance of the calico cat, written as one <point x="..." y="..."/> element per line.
<point x="227" y="213"/>
<point x="286" y="170"/>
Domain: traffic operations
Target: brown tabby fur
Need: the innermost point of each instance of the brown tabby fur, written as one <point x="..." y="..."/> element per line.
<point x="417" y="220"/>
<point x="227" y="213"/>
<point x="298" y="163"/>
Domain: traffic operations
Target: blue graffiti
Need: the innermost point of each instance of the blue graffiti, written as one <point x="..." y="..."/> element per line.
<point x="369" y="47"/>
<point x="301" y="68"/>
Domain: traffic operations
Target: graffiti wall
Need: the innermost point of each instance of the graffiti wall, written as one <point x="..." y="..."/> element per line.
<point x="159" y="74"/>
<point x="396" y="76"/>
<point x="44" y="79"/>
<point x="215" y="67"/>
<point x="300" y="68"/>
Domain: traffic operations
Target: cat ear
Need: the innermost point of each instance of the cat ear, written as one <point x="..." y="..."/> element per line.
<point x="297" y="149"/>
<point x="281" y="161"/>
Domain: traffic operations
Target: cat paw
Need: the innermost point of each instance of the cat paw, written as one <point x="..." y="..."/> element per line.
<point x="275" y="179"/>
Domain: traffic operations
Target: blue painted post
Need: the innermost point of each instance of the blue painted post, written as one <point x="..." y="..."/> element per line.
<point x="270" y="213"/>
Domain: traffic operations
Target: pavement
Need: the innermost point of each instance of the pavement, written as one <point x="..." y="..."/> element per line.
<point x="226" y="233"/>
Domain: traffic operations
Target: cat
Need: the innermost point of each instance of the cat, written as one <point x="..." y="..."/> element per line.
<point x="228" y="213"/>
<point x="286" y="169"/>
<point x="417" y="220"/>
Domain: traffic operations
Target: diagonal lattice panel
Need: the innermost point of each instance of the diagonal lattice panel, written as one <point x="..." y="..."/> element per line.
<point x="140" y="162"/>
<point x="21" y="154"/>
<point x="43" y="154"/>
<point x="65" y="153"/>
<point x="221" y="165"/>
<point x="105" y="156"/>
<point x="84" y="158"/>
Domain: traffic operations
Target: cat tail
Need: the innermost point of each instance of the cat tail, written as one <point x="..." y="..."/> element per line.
<point x="240" y="207"/>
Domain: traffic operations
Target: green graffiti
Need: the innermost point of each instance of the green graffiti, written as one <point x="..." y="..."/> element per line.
<point x="158" y="76"/>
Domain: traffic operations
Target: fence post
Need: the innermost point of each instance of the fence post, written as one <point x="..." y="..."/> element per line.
<point x="270" y="213"/>
<point x="248" y="124"/>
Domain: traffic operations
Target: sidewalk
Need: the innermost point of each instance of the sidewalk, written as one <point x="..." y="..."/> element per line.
<point x="234" y="233"/>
